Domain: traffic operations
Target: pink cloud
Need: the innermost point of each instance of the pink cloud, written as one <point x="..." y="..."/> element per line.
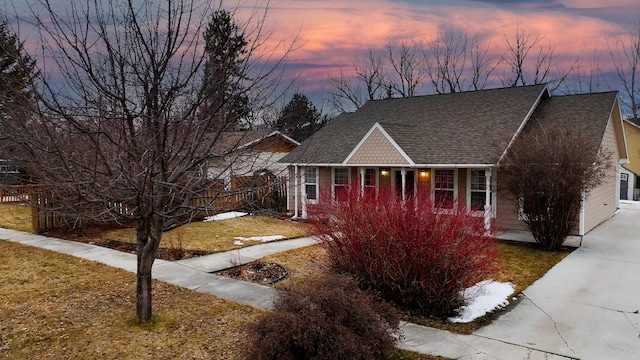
<point x="334" y="32"/>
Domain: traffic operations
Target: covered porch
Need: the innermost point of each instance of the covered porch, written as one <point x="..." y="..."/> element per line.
<point x="469" y="186"/>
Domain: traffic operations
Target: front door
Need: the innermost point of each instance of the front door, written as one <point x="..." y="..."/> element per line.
<point x="624" y="186"/>
<point x="410" y="183"/>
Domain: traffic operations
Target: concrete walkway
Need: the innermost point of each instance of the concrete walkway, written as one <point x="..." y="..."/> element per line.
<point x="586" y="307"/>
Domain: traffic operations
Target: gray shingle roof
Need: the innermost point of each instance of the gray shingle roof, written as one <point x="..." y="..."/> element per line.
<point x="586" y="113"/>
<point x="459" y="128"/>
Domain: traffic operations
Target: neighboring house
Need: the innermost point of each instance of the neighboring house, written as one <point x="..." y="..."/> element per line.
<point x="250" y="155"/>
<point x="447" y="144"/>
<point x="630" y="176"/>
<point x="9" y="173"/>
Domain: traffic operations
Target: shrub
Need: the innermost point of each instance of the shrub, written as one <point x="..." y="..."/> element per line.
<point x="415" y="254"/>
<point x="329" y="318"/>
<point x="546" y="173"/>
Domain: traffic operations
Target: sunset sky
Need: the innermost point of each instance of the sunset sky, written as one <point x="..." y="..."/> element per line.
<point x="333" y="33"/>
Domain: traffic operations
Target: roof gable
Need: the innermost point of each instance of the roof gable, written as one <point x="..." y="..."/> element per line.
<point x="589" y="114"/>
<point x="377" y="147"/>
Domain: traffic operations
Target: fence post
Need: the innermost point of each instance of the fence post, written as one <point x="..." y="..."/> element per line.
<point x="33" y="201"/>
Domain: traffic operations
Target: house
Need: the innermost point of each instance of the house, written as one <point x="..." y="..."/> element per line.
<point x="630" y="175"/>
<point x="249" y="157"/>
<point x="446" y="144"/>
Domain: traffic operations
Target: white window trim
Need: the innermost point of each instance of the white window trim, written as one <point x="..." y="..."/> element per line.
<point x="362" y="171"/>
<point x="455" y="182"/>
<point x="305" y="183"/>
<point x="333" y="179"/>
<point x="469" y="190"/>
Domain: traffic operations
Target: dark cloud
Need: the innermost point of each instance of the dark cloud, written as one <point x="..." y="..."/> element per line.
<point x="535" y="4"/>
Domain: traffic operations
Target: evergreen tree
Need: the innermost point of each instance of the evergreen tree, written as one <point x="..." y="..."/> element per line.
<point x="299" y="119"/>
<point x="16" y="69"/>
<point x="227" y="53"/>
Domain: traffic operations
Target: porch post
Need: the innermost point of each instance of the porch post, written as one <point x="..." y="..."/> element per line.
<point x="303" y="192"/>
<point x="296" y="186"/>
<point x="487" y="201"/>
<point x="363" y="172"/>
<point x="403" y="173"/>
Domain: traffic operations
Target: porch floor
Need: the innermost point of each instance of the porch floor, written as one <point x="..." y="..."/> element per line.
<point x="525" y="236"/>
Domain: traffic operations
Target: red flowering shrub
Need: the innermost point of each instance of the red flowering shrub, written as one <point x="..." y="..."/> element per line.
<point x="414" y="254"/>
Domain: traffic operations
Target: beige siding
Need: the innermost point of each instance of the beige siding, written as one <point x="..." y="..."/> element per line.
<point x="424" y="180"/>
<point x="601" y="202"/>
<point x="633" y="142"/>
<point x="324" y="184"/>
<point x="291" y="188"/>
<point x="462" y="187"/>
<point x="377" y="149"/>
<point x="507" y="215"/>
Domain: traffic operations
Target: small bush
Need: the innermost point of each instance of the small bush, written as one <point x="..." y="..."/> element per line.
<point x="416" y="255"/>
<point x="329" y="318"/>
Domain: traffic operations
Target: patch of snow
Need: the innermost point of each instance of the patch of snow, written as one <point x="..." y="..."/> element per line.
<point x="482" y="298"/>
<point x="224" y="216"/>
<point x="238" y="242"/>
<point x="260" y="238"/>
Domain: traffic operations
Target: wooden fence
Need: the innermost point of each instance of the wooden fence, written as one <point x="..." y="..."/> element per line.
<point x="46" y="214"/>
<point x="270" y="195"/>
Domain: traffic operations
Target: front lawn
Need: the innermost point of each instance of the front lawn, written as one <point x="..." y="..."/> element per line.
<point x="55" y="306"/>
<point x="210" y="236"/>
<point x="16" y="216"/>
<point x="519" y="263"/>
<point x="218" y="236"/>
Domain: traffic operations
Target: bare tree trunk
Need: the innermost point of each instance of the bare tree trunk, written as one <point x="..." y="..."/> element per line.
<point x="149" y="234"/>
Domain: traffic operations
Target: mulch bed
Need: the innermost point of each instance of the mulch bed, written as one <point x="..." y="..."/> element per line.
<point x="257" y="272"/>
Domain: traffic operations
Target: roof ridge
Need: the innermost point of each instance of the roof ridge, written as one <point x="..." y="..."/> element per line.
<point x="585" y="94"/>
<point x="459" y="93"/>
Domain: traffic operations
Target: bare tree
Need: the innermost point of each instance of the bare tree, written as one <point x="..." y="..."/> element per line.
<point x="483" y="64"/>
<point x="625" y="53"/>
<point x="124" y="132"/>
<point x="547" y="172"/>
<point x="409" y="71"/>
<point x="584" y="77"/>
<point x="456" y="62"/>
<point x="447" y="61"/>
<point x="369" y="82"/>
<point x="529" y="62"/>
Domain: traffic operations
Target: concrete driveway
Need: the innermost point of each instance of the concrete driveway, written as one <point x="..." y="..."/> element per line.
<point x="587" y="306"/>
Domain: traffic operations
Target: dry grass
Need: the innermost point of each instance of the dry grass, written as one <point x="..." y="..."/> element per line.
<point x="302" y="264"/>
<point x="520" y="264"/>
<point x="523" y="264"/>
<point x="55" y="306"/>
<point x="216" y="236"/>
<point x="212" y="236"/>
<point x="16" y="216"/>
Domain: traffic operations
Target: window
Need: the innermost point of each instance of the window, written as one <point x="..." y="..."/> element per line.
<point x="444" y="188"/>
<point x="340" y="183"/>
<point x="478" y="190"/>
<point x="311" y="183"/>
<point x="370" y="181"/>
